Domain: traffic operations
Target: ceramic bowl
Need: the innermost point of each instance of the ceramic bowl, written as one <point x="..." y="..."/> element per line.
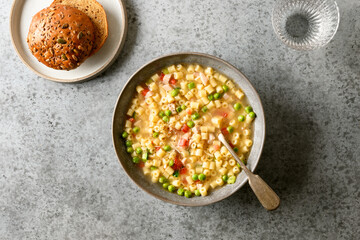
<point x="124" y="101"/>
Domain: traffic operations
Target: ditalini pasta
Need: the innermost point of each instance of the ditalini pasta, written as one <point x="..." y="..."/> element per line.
<point x="172" y="126"/>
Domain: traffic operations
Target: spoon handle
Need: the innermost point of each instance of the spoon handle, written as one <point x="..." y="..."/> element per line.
<point x="267" y="197"/>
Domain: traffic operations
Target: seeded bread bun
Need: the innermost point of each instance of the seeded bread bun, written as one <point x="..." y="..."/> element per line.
<point x="61" y="37"/>
<point x="97" y="15"/>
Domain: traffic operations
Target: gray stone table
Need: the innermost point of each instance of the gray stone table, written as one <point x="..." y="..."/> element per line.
<point x="60" y="177"/>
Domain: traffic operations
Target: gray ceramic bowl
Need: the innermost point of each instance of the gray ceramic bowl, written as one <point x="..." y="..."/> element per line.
<point x="123" y="103"/>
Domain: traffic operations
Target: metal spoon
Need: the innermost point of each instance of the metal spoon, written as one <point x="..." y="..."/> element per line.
<point x="267" y="197"/>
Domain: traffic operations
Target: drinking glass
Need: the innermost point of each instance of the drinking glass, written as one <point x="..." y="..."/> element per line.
<point x="305" y="24"/>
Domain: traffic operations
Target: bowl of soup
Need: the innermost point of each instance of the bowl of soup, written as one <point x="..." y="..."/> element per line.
<point x="166" y="122"/>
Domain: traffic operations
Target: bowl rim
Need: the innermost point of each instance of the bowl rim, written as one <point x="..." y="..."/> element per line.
<point x="261" y="146"/>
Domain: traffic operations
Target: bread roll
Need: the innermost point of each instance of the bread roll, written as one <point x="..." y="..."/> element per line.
<point x="96" y="13"/>
<point x="61" y="37"/>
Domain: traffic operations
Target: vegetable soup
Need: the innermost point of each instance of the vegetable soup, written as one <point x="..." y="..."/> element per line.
<point x="173" y="123"/>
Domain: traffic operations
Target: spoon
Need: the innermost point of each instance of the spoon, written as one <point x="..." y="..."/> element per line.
<point x="267" y="197"/>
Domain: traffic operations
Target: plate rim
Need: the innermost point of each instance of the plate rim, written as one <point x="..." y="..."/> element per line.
<point x="88" y="77"/>
<point x="263" y="124"/>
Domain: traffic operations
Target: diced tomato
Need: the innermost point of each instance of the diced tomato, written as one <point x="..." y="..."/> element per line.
<point x="217" y="147"/>
<point x="145" y="91"/>
<point x="132" y="120"/>
<point x="197" y="181"/>
<point x="185" y="128"/>
<point x="189" y="111"/>
<point x="224" y="131"/>
<point x="157" y="148"/>
<point x="172" y="81"/>
<point x="225" y="115"/>
<point x="177" y="164"/>
<point x="183" y="171"/>
<point x="183" y="142"/>
<point x="162" y="76"/>
<point x="231" y="145"/>
<point x="141" y="164"/>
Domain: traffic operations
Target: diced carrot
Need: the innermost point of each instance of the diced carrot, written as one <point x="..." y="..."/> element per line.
<point x="189" y="111"/>
<point x="141" y="164"/>
<point x="145" y="91"/>
<point x="157" y="148"/>
<point x="172" y="81"/>
<point x="216" y="147"/>
<point x="132" y="120"/>
<point x="185" y="128"/>
<point x="225" y="115"/>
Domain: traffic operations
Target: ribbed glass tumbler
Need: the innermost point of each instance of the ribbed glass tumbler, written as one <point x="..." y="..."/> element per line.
<point x="305" y="24"/>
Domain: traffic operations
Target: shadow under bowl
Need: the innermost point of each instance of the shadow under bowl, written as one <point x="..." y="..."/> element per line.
<point x="124" y="101"/>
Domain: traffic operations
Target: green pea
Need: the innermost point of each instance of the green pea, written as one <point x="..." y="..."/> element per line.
<point x="236" y="149"/>
<point x="145" y="156"/>
<point x="190" y="124"/>
<point x="165" y="71"/>
<point x="197" y="192"/>
<point x="183" y="107"/>
<point x="204" y="109"/>
<point x="171" y="188"/>
<point x="248" y="109"/>
<point x="180" y="191"/>
<point x="167" y="148"/>
<point x="138" y="150"/>
<point x="188" y="194"/>
<point x="237" y="106"/>
<point x="162" y="179"/>
<point x="171" y="163"/>
<point x="225" y="178"/>
<point x="231" y="180"/>
<point x="230" y="129"/>
<point x="252" y="115"/>
<point x="124" y="135"/>
<point x="128" y="143"/>
<point x="168" y="113"/>
<point x="136" y="129"/>
<point x="165" y="185"/>
<point x="179" y="109"/>
<point x="202" y="177"/>
<point x="161" y="114"/>
<point x="155" y="134"/>
<point x="241" y="118"/>
<point x="136" y="159"/>
<point x="130" y="150"/>
<point x="195" y="177"/>
<point x="165" y="118"/>
<point x="210" y="97"/>
<point x="225" y="88"/>
<point x="217" y="96"/>
<point x="191" y="85"/>
<point x="153" y="167"/>
<point x="175" y="92"/>
<point x="195" y="116"/>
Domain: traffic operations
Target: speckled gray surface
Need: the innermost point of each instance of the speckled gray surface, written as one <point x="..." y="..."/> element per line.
<point x="60" y="178"/>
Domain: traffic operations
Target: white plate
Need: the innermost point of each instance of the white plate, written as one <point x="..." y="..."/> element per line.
<point x="21" y="15"/>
